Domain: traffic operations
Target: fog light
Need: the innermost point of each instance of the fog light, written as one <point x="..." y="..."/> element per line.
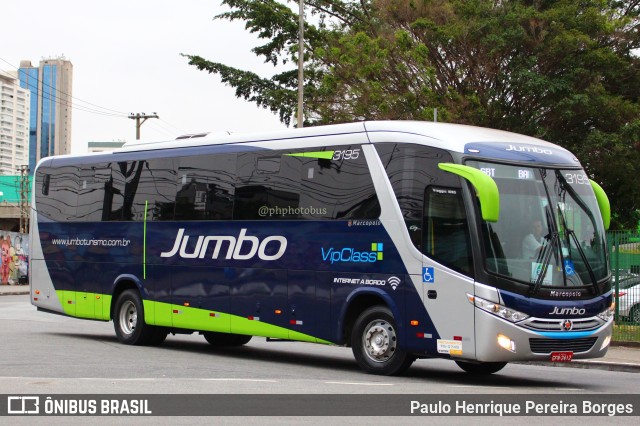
<point x="606" y="342"/>
<point x="506" y="343"/>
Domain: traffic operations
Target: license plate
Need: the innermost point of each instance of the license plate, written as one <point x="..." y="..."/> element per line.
<point x="561" y="356"/>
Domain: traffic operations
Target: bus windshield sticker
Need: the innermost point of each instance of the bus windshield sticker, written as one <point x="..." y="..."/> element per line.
<point x="536" y="270"/>
<point x="569" y="269"/>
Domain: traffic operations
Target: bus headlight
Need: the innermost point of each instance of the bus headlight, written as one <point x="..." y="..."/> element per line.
<point x="608" y="313"/>
<point x="605" y="342"/>
<point x="506" y="343"/>
<point x="497" y="309"/>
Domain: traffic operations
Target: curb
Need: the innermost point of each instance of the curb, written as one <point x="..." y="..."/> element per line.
<point x="626" y="344"/>
<point x="14" y="290"/>
<point x="625" y="367"/>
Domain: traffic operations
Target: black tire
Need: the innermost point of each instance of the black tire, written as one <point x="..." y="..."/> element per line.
<point x="634" y="315"/>
<point x="158" y="337"/>
<point x="128" y="321"/>
<point x="374" y="342"/>
<point x="226" y="339"/>
<point x="481" y="368"/>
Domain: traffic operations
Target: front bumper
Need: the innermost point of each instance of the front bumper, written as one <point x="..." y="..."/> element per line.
<point x="536" y="345"/>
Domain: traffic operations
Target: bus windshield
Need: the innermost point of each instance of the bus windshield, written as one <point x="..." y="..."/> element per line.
<point x="550" y="233"/>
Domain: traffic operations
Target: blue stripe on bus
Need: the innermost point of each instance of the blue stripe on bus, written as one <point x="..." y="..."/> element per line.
<point x="563" y="335"/>
<point x="541" y="308"/>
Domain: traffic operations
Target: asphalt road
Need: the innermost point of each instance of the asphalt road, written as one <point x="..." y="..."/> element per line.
<point x="50" y="354"/>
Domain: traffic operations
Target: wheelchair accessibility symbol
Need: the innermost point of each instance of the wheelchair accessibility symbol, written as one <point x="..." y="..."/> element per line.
<point x="568" y="267"/>
<point x="428" y="275"/>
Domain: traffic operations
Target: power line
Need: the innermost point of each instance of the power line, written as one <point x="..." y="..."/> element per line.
<point x="171" y="125"/>
<point x="63" y="101"/>
<point x="62" y="95"/>
<point x="158" y="127"/>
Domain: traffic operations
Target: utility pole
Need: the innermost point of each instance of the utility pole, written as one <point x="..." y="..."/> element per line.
<point x="24" y="197"/>
<point x="140" y="119"/>
<point x="300" y="61"/>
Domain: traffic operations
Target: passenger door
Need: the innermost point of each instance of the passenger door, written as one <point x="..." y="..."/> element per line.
<point x="448" y="270"/>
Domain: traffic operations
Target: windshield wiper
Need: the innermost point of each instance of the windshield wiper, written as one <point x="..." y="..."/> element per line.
<point x="583" y="256"/>
<point x="592" y="276"/>
<point x="547" y="250"/>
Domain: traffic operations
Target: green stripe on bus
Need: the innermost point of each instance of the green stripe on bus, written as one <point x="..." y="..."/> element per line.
<point x="324" y="155"/>
<point x="98" y="306"/>
<point x="144" y="242"/>
<point x="85" y="305"/>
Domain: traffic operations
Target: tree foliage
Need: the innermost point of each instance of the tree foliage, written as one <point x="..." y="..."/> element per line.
<point x="562" y="70"/>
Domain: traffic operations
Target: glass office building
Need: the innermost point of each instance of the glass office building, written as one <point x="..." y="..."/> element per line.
<point x="50" y="85"/>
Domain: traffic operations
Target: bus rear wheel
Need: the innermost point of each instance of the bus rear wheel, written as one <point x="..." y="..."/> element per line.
<point x="481" y="367"/>
<point x="374" y="342"/>
<point x="128" y="322"/>
<point x="226" y="339"/>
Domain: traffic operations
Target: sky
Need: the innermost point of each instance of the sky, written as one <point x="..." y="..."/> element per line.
<point x="126" y="59"/>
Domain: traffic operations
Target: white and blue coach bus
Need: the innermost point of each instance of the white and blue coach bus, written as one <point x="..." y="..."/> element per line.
<point x="401" y="240"/>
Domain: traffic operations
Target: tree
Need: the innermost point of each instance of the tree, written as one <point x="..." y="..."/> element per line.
<point x="564" y="71"/>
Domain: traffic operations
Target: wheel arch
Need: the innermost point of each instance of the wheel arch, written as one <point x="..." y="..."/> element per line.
<point x="121" y="284"/>
<point x="356" y="303"/>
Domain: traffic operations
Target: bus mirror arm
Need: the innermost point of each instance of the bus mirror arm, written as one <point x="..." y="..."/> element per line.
<point x="484" y="185"/>
<point x="603" y="203"/>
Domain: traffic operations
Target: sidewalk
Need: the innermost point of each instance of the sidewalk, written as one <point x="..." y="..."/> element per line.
<point x="620" y="357"/>
<point x="10" y="290"/>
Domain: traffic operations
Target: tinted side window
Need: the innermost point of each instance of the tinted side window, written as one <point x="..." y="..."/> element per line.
<point x="319" y="183"/>
<point x="411" y="168"/>
<point x="268" y="186"/>
<point x="206" y="186"/>
<point x="113" y="178"/>
<point x="57" y="192"/>
<point x="339" y="184"/>
<point x="91" y="194"/>
<point x="446" y="229"/>
<point x="153" y="187"/>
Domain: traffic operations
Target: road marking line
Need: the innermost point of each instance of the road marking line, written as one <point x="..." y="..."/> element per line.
<point x="241" y="380"/>
<point x="479" y="386"/>
<point x="359" y="384"/>
<point x="132" y="379"/>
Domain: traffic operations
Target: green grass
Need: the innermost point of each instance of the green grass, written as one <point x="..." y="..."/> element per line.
<point x="626" y="332"/>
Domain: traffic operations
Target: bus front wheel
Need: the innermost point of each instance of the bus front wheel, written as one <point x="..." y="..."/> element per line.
<point x="374" y="342"/>
<point x="128" y="321"/>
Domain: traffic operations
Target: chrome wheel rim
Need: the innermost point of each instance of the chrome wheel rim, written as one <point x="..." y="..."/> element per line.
<point x="128" y="317"/>
<point x="379" y="341"/>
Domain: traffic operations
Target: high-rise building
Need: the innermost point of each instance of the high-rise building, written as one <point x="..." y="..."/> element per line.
<point x="50" y="84"/>
<point x="14" y="124"/>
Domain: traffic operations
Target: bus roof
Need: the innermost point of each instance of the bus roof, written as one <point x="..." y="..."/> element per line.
<point x="450" y="136"/>
<point x="471" y="140"/>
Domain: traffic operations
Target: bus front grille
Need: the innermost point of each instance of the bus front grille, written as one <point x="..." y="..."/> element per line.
<point x="581" y="324"/>
<point x="546" y="346"/>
